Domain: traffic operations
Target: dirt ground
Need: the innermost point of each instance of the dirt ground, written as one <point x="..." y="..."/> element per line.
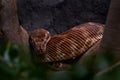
<point x="58" y="16"/>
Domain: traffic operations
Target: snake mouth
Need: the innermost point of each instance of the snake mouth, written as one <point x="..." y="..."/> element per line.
<point x="40" y="50"/>
<point x="35" y="49"/>
<point x="43" y="48"/>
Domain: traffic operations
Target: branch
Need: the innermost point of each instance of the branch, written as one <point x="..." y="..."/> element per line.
<point x="108" y="70"/>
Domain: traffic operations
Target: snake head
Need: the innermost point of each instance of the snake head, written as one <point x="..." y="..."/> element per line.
<point x="38" y="40"/>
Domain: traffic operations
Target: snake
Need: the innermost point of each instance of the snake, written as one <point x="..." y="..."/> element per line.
<point x="65" y="46"/>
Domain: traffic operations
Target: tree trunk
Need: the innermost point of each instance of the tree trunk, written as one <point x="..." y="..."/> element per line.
<point x="9" y="24"/>
<point x="10" y="30"/>
<point x="111" y="37"/>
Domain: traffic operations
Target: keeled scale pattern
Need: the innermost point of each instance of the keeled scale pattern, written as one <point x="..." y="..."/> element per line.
<point x="72" y="43"/>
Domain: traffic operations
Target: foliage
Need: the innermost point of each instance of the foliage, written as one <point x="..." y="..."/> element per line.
<point x="15" y="64"/>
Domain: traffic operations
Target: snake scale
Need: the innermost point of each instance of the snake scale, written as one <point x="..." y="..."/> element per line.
<point x="67" y="45"/>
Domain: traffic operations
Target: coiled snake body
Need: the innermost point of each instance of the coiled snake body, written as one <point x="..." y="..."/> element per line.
<point x="67" y="45"/>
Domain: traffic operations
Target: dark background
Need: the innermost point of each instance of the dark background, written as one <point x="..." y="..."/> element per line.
<point x="59" y="15"/>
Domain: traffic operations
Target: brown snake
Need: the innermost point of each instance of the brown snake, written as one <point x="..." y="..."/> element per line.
<point x="68" y="45"/>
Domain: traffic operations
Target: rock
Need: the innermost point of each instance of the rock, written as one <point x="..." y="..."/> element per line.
<point x="59" y="15"/>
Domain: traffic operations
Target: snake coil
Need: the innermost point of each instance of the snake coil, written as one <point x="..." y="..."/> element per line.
<point x="67" y="45"/>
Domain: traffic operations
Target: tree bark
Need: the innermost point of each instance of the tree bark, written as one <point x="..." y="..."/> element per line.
<point x="9" y="24"/>
<point x="111" y="37"/>
<point x="10" y="30"/>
